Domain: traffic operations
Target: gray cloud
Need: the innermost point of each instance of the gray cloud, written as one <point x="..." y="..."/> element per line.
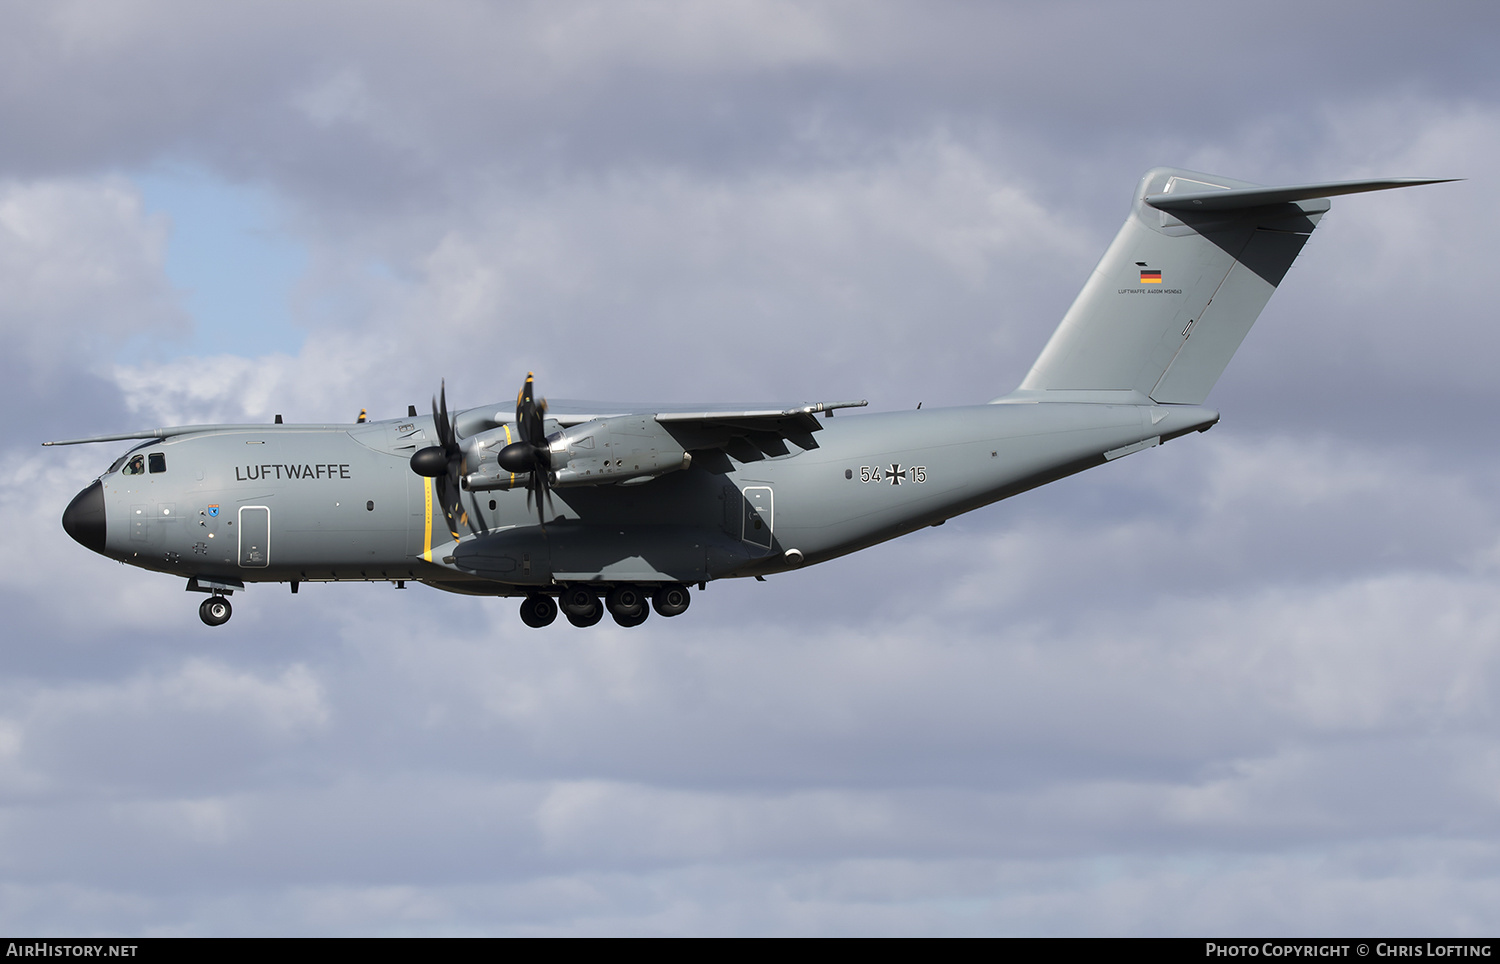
<point x="1241" y="684"/>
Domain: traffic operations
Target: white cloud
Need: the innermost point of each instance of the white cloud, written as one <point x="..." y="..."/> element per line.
<point x="82" y="268"/>
<point x="671" y="35"/>
<point x="100" y="735"/>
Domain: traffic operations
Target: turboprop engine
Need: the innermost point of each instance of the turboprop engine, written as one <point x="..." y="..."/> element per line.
<point x="628" y="449"/>
<point x="624" y="449"/>
<point x="481" y="463"/>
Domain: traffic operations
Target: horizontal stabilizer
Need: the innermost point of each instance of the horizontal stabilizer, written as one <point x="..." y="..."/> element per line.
<point x="1249" y="197"/>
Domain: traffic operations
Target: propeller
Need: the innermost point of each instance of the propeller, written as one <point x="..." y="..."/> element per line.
<point x="530" y="453"/>
<point x="442" y="463"/>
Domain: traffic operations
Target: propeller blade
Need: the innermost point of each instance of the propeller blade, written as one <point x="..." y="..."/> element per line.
<point x="531" y="453"/>
<point x="443" y="463"/>
<point x="447" y="495"/>
<point x="441" y="422"/>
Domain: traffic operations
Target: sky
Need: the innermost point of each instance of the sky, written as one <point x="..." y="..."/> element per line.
<point x="1244" y="684"/>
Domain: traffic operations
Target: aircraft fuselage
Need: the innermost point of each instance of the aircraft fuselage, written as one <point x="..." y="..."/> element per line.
<point x="312" y="503"/>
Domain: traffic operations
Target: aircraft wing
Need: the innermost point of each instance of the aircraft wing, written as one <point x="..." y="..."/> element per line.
<point x="720" y="420"/>
<point x="590" y="443"/>
<point x="570" y="412"/>
<point x="749" y="434"/>
<point x="176" y="430"/>
<point x="765" y="419"/>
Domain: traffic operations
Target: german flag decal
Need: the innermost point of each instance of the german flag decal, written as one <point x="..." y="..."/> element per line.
<point x="1149" y="277"/>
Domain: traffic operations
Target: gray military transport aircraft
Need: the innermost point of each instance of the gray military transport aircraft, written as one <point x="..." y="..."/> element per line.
<point x="585" y="510"/>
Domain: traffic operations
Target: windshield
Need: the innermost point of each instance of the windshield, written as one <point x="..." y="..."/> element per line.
<point x="132" y="457"/>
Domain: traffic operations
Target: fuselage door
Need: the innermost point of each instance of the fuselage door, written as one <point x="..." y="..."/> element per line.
<point x="255" y="536"/>
<point x="760" y="516"/>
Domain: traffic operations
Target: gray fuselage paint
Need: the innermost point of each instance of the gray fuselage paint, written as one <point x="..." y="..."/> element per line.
<point x="345" y="505"/>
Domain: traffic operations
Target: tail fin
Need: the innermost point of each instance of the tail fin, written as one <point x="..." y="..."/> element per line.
<point x="1184" y="280"/>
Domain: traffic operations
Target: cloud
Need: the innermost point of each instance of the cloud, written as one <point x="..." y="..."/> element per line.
<point x="633" y="286"/>
<point x="1243" y="683"/>
<point x="82" y="267"/>
<point x="108" y="735"/>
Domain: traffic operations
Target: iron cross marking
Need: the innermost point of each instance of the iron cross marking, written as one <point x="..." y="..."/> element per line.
<point x="896" y="474"/>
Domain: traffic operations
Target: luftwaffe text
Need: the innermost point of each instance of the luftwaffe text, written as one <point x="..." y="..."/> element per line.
<point x="323" y="470"/>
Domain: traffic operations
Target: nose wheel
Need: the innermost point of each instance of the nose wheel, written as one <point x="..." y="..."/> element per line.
<point x="215" y="611"/>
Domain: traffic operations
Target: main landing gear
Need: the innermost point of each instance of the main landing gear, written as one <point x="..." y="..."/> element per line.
<point x="215" y="611"/>
<point x="629" y="605"/>
<point x="581" y="607"/>
<point x="538" y="611"/>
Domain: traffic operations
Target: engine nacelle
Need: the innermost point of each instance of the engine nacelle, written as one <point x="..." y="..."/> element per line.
<point x="481" y="470"/>
<point x="624" y="448"/>
<point x="485" y="482"/>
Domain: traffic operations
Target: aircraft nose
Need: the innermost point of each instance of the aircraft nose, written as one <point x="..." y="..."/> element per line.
<point x="83" y="519"/>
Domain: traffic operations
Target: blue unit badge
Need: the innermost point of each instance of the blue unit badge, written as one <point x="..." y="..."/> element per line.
<point x="213" y="510"/>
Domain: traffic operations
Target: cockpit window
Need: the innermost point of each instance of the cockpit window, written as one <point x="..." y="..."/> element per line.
<point x="136" y="466"/>
<point x="157" y="461"/>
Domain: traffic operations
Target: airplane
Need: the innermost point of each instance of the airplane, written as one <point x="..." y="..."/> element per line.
<point x="622" y="509"/>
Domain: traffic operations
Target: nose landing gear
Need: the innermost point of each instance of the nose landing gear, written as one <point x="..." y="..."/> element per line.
<point x="215" y="611"/>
